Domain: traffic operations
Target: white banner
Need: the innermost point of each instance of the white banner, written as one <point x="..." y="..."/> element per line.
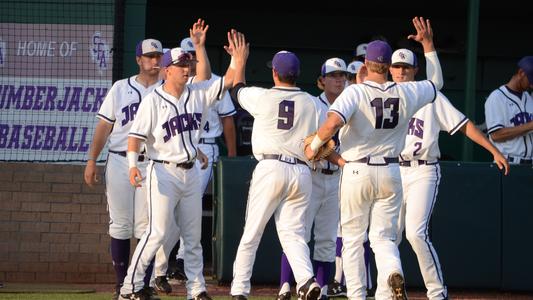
<point x="53" y="79"/>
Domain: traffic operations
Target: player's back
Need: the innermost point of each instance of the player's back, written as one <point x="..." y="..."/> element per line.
<point x="282" y="118"/>
<point x="376" y="116"/>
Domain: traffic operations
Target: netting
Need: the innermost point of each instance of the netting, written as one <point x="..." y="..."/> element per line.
<point x="56" y="67"/>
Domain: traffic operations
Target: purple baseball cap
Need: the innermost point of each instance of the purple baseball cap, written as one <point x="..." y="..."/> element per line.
<point x="379" y="51"/>
<point x="176" y="56"/>
<point x="148" y="46"/>
<point x="286" y="63"/>
<point x="526" y="64"/>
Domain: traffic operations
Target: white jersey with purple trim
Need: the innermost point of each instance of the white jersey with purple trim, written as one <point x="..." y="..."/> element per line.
<point x="278" y="114"/>
<point x="504" y="109"/>
<point x="323" y="106"/>
<point x="172" y="126"/>
<point x="121" y="104"/>
<point x="369" y="110"/>
<point x="422" y="140"/>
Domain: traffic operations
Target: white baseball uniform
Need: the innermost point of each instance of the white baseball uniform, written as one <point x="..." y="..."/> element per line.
<point x="207" y="144"/>
<point x="126" y="204"/>
<point x="419" y="166"/>
<point x="281" y="182"/>
<point x="376" y="118"/>
<point x="506" y="109"/>
<point x="323" y="208"/>
<point x="171" y="129"/>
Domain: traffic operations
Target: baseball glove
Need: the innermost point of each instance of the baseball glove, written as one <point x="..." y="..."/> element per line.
<point x="324" y="150"/>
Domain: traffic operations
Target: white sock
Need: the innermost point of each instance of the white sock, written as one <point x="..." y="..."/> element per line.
<point x="324" y="290"/>
<point x="285" y="288"/>
<point x="338" y="269"/>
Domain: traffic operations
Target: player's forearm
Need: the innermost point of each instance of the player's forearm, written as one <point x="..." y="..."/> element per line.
<point x="509" y="133"/>
<point x="134" y="144"/>
<point x="101" y="133"/>
<point x="330" y="127"/>
<point x="335" y="158"/>
<point x="434" y="70"/>
<point x="203" y="67"/>
<point x="471" y="131"/>
<point x="230" y="136"/>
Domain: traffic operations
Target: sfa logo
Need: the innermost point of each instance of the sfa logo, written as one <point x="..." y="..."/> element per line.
<point x="99" y="51"/>
<point x="181" y="123"/>
<point x="2" y="52"/>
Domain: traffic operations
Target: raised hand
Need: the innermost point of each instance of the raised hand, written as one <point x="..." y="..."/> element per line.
<point x="424" y="33"/>
<point x="198" y="32"/>
<point x="230" y="46"/>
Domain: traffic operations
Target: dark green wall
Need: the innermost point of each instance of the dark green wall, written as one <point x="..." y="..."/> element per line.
<point x="480" y="227"/>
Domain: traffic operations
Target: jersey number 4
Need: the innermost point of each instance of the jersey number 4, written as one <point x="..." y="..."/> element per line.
<point x="286" y="114"/>
<point x="392" y="105"/>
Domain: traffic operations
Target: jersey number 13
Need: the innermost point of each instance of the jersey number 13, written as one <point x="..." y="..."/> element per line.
<point x="391" y="104"/>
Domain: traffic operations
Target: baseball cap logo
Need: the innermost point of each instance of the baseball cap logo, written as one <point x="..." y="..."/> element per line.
<point x="402" y="55"/>
<point x="189" y="43"/>
<point x="337" y="64"/>
<point x="154" y="45"/>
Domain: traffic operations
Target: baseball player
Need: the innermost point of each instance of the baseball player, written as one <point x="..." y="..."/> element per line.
<point x="420" y="170"/>
<point x="219" y="119"/>
<point x="374" y="116"/>
<point x="337" y="288"/>
<point x="281" y="182"/>
<point x="360" y="52"/>
<point x="126" y="204"/>
<point x="323" y="210"/>
<point x="170" y="123"/>
<point x="509" y="115"/>
<point x="419" y="166"/>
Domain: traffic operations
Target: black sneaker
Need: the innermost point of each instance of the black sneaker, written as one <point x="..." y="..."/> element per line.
<point x="309" y="291"/>
<point x="139" y="295"/>
<point x="335" y="289"/>
<point x="238" y="297"/>
<point x="162" y="285"/>
<point x="178" y="272"/>
<point x="150" y="293"/>
<point x="202" y="296"/>
<point x="397" y="286"/>
<point x="284" y="296"/>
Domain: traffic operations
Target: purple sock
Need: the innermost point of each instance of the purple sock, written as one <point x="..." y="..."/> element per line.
<point x="322" y="271"/>
<point x="338" y="251"/>
<point x="286" y="271"/>
<point x="148" y="274"/>
<point x="120" y="253"/>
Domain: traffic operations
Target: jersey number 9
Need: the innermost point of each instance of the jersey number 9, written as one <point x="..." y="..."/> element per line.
<point x="286" y="115"/>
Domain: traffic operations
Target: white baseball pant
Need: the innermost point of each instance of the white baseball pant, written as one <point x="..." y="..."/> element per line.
<point x="173" y="196"/>
<point x="127" y="205"/>
<point x="282" y="190"/>
<point x="420" y="187"/>
<point x="370" y="199"/>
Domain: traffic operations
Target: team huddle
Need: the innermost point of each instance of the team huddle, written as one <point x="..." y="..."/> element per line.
<point x="381" y="179"/>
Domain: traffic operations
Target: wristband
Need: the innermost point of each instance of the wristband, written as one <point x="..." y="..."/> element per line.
<point x="316" y="143"/>
<point x="132" y="158"/>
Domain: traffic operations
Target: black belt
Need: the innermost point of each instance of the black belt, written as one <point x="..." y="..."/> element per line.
<point x="283" y="158"/>
<point x="520" y="161"/>
<point x="184" y="165"/>
<point x="326" y="171"/>
<point x="208" y="141"/>
<point x="123" y="153"/>
<point x="386" y="161"/>
<point x="407" y="163"/>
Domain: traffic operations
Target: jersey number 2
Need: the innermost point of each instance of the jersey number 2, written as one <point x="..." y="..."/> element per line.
<point x="380" y="106"/>
<point x="286" y="114"/>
